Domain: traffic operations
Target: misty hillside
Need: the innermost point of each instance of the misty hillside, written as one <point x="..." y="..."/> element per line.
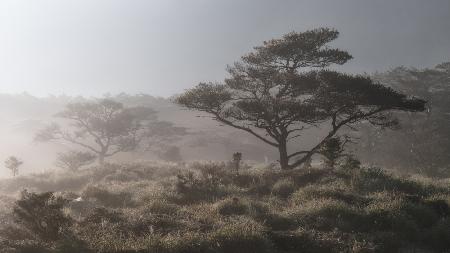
<point x="24" y="115"/>
<point x="171" y="126"/>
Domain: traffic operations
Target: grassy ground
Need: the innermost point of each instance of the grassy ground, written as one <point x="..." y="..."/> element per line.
<point x="202" y="207"/>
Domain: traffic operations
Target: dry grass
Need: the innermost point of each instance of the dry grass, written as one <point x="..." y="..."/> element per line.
<point x="163" y="208"/>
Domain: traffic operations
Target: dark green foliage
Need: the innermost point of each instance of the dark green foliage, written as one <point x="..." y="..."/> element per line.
<point x="42" y="215"/>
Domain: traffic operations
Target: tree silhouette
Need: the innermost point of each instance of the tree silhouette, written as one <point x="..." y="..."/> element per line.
<point x="104" y="128"/>
<point x="423" y="144"/>
<point x="13" y="163"/>
<point x="284" y="87"/>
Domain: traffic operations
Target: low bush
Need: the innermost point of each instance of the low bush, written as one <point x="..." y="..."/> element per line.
<point x="107" y="198"/>
<point x="232" y="206"/>
<point x="283" y="188"/>
<point x="163" y="209"/>
<point x="326" y="215"/>
<point x="42" y="215"/>
<point x="160" y="206"/>
<point x="191" y="188"/>
<point x="437" y="236"/>
<point x="241" y="236"/>
<point x="328" y="191"/>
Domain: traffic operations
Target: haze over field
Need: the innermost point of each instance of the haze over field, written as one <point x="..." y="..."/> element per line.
<point x="171" y="126"/>
<point x="161" y="48"/>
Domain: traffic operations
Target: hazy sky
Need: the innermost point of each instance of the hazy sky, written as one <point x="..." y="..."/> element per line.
<point x="162" y="47"/>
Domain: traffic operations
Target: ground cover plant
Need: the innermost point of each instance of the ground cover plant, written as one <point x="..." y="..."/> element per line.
<point x="207" y="207"/>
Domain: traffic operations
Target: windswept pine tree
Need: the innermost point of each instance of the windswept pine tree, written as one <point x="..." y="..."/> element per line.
<point x="286" y="86"/>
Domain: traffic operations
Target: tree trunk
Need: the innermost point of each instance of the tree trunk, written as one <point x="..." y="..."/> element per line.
<point x="101" y="159"/>
<point x="284" y="160"/>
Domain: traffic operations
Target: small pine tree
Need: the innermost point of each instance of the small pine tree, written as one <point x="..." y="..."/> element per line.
<point x="237" y="157"/>
<point x="333" y="150"/>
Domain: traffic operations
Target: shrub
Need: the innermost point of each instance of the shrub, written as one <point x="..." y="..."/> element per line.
<point x="328" y="191"/>
<point x="310" y="176"/>
<point x="283" y="188"/>
<point x="101" y="215"/>
<point x="159" y="206"/>
<point x="299" y="241"/>
<point x="193" y="188"/>
<point x="107" y="198"/>
<point x="185" y="243"/>
<point x="437" y="237"/>
<point x="71" y="244"/>
<point x="389" y="213"/>
<point x="42" y="215"/>
<point x="216" y="171"/>
<point x="241" y="236"/>
<point x="232" y="206"/>
<point x="326" y="215"/>
<point x="244" y="180"/>
<point x="25" y="246"/>
<point x="376" y="180"/>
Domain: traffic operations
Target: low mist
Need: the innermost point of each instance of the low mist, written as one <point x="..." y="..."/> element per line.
<point x="224" y="126"/>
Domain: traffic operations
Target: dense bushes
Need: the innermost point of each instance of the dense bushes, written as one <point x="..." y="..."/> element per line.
<point x="42" y="215"/>
<point x="207" y="208"/>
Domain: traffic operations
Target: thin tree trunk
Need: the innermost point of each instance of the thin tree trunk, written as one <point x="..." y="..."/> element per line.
<point x="101" y="159"/>
<point x="284" y="159"/>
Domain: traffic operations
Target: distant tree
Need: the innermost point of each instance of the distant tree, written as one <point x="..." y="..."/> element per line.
<point x="284" y="87"/>
<point x="104" y="128"/>
<point x="423" y="144"/>
<point x="13" y="163"/>
<point x="73" y="160"/>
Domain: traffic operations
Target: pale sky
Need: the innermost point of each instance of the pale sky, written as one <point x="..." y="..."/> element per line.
<point x="161" y="47"/>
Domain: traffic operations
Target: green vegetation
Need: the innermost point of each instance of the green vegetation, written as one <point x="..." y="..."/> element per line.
<point x="206" y="207"/>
